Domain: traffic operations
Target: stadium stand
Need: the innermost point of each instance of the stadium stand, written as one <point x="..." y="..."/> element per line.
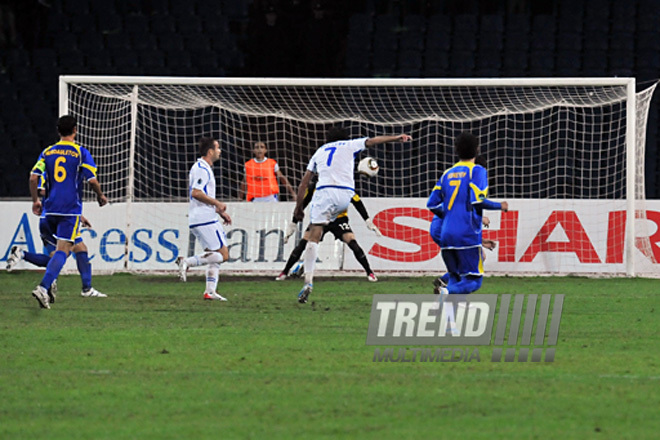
<point x="266" y="38"/>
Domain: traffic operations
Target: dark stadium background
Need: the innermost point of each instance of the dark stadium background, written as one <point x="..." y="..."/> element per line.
<point x="40" y="40"/>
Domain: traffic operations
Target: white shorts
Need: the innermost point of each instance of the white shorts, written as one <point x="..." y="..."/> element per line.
<point x="211" y="235"/>
<point x="328" y="203"/>
<point x="270" y="198"/>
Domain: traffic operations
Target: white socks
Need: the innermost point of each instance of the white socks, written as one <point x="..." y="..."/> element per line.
<point x="212" y="260"/>
<point x="212" y="271"/>
<point x="311" y="251"/>
<point x="207" y="258"/>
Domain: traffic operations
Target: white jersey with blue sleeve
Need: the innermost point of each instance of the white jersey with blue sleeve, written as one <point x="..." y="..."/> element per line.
<point x="201" y="178"/>
<point x="335" y="163"/>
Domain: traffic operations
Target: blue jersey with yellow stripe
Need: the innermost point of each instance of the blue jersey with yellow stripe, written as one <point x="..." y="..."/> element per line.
<point x="64" y="166"/>
<point x="458" y="196"/>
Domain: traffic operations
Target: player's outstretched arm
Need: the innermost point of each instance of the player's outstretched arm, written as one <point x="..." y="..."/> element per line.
<point x="385" y="139"/>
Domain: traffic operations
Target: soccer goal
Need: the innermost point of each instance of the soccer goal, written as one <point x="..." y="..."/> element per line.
<point x="566" y="153"/>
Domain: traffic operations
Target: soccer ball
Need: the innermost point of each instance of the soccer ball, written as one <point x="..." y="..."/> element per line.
<point x="368" y="166"/>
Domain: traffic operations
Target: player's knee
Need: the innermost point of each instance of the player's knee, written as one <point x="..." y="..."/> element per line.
<point x="355" y="247"/>
<point x="223" y="253"/>
<point x="475" y="283"/>
<point x="315" y="233"/>
<point x="348" y="237"/>
<point x="79" y="247"/>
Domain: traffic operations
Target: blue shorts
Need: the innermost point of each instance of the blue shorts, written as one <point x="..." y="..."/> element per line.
<point x="464" y="262"/>
<point x="436" y="228"/>
<point x="60" y="227"/>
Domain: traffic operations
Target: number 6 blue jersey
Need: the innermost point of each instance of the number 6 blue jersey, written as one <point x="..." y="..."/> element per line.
<point x="62" y="165"/>
<point x="457" y="192"/>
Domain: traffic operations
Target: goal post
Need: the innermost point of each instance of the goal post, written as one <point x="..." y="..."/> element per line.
<point x="566" y="153"/>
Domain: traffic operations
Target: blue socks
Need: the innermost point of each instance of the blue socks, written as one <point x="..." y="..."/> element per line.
<point x="85" y="269"/>
<point x="445" y="278"/>
<point x="40" y="260"/>
<point x="53" y="268"/>
<point x="466" y="285"/>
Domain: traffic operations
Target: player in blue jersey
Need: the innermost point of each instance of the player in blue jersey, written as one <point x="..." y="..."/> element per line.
<point x="334" y="162"/>
<point x="436" y="228"/>
<point x="459" y="197"/>
<point x="50" y="245"/>
<point x="61" y="165"/>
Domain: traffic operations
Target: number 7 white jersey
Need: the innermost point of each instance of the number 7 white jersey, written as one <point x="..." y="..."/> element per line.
<point x="334" y="162"/>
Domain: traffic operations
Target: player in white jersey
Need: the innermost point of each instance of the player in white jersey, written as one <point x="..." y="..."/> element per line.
<point x="334" y="162"/>
<point x="203" y="219"/>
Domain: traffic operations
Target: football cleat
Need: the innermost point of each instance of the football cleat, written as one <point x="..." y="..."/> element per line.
<point x="52" y="292"/>
<point x="372" y="277"/>
<point x="214" y="296"/>
<point x="15" y="256"/>
<point x="304" y="293"/>
<point x="41" y="296"/>
<point x="183" y="268"/>
<point x="437" y="285"/>
<point x="298" y="270"/>
<point x="92" y="293"/>
<point x="443" y="293"/>
<point x="281" y="277"/>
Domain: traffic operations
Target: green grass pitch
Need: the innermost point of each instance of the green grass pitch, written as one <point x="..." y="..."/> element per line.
<point x="156" y="361"/>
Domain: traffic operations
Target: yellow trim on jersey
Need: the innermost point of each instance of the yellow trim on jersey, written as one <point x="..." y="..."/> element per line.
<point x="481" y="260"/>
<point x="470" y="166"/>
<point x="437" y="187"/>
<point x="69" y="143"/>
<point x="478" y="193"/>
<point x="89" y="167"/>
<point x="73" y="144"/>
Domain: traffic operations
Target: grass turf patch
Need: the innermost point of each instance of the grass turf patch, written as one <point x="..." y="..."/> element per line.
<point x="153" y="360"/>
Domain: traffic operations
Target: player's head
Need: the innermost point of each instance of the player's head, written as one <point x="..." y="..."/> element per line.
<point x="336" y="134"/>
<point x="259" y="150"/>
<point x="209" y="148"/>
<point x="66" y="125"/>
<point x="480" y="160"/>
<point x="467" y="146"/>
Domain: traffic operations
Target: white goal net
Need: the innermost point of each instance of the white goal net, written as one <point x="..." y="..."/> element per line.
<point x="567" y="154"/>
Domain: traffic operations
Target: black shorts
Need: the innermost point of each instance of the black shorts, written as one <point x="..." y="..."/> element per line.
<point x="338" y="227"/>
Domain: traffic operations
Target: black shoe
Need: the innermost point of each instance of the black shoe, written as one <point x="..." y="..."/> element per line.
<point x="304" y="293"/>
<point x="437" y="285"/>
